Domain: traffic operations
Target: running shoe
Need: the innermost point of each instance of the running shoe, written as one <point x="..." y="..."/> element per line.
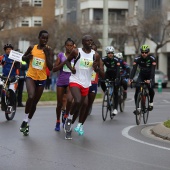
<point x="77" y="128"/>
<point x="67" y="126"/>
<point x="115" y="112"/>
<point x="57" y="127"/>
<point x="24" y="128"/>
<point x="150" y="106"/>
<point x="81" y="131"/>
<point x="68" y="135"/>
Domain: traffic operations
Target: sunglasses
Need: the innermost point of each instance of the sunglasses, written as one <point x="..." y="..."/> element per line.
<point x="144" y="52"/>
<point x="110" y="53"/>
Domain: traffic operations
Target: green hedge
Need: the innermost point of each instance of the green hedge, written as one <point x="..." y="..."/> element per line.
<point x="49" y="96"/>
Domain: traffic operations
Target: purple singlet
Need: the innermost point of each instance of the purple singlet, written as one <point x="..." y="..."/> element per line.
<point x="63" y="78"/>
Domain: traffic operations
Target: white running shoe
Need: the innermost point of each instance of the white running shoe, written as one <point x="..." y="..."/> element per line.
<point x="115" y="112"/>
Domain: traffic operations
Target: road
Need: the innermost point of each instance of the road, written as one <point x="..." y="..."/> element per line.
<point x="116" y="144"/>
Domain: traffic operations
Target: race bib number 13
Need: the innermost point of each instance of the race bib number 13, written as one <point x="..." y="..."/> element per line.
<point x="38" y="63"/>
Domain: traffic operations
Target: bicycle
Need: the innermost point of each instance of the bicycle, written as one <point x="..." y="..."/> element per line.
<point x="121" y="99"/>
<point x="108" y="100"/>
<point x="8" y="96"/>
<point x="142" y="103"/>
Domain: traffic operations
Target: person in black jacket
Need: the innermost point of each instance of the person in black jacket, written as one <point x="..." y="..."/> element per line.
<point x="22" y="70"/>
<point x="147" y="64"/>
<point x="112" y="64"/>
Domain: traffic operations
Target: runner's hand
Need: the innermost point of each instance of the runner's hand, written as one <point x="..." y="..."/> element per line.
<point x="73" y="70"/>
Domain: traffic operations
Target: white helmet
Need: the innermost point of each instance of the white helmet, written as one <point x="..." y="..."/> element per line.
<point x="110" y="49"/>
<point x="119" y="55"/>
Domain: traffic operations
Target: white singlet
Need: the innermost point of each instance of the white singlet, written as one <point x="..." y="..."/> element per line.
<point x="84" y="69"/>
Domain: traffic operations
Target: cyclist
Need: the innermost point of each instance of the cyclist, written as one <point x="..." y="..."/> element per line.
<point x="147" y="64"/>
<point x="39" y="57"/>
<point x="124" y="73"/>
<point x="7" y="64"/>
<point x="112" y="64"/>
<point x="63" y="94"/>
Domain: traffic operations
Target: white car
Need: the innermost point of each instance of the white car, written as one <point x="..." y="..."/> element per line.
<point x="159" y="75"/>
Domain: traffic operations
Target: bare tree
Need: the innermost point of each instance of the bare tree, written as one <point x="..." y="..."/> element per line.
<point x="155" y="27"/>
<point x="11" y="11"/>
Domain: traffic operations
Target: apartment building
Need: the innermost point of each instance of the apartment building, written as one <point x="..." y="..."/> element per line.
<point x="23" y="32"/>
<point x="88" y="14"/>
<point x="148" y="6"/>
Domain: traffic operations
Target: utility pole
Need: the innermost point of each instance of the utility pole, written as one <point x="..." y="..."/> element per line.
<point x="105" y="26"/>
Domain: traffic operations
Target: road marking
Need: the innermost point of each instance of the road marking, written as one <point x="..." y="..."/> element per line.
<point x="166" y="101"/>
<point x="125" y="133"/>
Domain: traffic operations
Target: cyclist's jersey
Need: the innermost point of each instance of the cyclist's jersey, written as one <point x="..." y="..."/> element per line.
<point x="37" y="65"/>
<point x="7" y="64"/>
<point x="146" y="66"/>
<point x="84" y="68"/>
<point x="124" y="68"/>
<point x="112" y="67"/>
<point x="63" y="78"/>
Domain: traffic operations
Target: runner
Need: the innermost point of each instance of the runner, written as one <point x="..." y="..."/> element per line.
<point x="80" y="78"/>
<point x="63" y="84"/>
<point x="39" y="57"/>
<point x="91" y="96"/>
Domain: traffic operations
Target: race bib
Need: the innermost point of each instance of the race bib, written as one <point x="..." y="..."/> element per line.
<point x="86" y="63"/>
<point x="66" y="69"/>
<point x="38" y="63"/>
<point x="93" y="75"/>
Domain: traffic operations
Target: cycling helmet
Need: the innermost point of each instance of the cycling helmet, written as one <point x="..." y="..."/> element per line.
<point x="119" y="55"/>
<point x="8" y="46"/>
<point x="144" y="48"/>
<point x="110" y="49"/>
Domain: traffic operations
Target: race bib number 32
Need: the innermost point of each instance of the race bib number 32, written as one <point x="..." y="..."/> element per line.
<point x="38" y="63"/>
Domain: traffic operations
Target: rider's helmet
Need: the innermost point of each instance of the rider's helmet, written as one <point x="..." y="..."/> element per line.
<point x="110" y="49"/>
<point x="8" y="46"/>
<point x="119" y="55"/>
<point x="144" y="48"/>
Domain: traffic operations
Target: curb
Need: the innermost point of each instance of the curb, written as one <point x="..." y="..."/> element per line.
<point x="49" y="103"/>
<point x="161" y="131"/>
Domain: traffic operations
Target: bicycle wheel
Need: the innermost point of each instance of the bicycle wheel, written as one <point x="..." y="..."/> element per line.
<point x="139" y="108"/>
<point x="121" y="100"/>
<point x="145" y="108"/>
<point x="10" y="111"/>
<point x="105" y="107"/>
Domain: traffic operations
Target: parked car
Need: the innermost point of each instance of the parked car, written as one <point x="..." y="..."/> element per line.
<point x="159" y="75"/>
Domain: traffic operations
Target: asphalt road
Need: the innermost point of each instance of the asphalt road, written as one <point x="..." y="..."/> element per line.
<point x="116" y="144"/>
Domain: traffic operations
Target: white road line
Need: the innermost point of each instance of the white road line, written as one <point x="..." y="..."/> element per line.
<point x="125" y="133"/>
<point x="166" y="101"/>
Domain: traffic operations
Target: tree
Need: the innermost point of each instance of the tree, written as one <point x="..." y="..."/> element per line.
<point x="11" y="11"/>
<point x="155" y="27"/>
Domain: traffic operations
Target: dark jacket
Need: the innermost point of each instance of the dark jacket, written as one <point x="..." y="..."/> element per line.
<point x="22" y="70"/>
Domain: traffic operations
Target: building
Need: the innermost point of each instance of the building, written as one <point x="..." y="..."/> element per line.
<point x="88" y="14"/>
<point x="147" y="6"/>
<point x="23" y="32"/>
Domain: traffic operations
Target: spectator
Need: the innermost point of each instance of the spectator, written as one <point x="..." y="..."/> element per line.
<point x="22" y="70"/>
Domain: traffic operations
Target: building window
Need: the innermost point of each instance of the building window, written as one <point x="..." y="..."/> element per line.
<point x="25" y="3"/>
<point x="38" y="3"/>
<point x="37" y="21"/>
<point x="25" y="23"/>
